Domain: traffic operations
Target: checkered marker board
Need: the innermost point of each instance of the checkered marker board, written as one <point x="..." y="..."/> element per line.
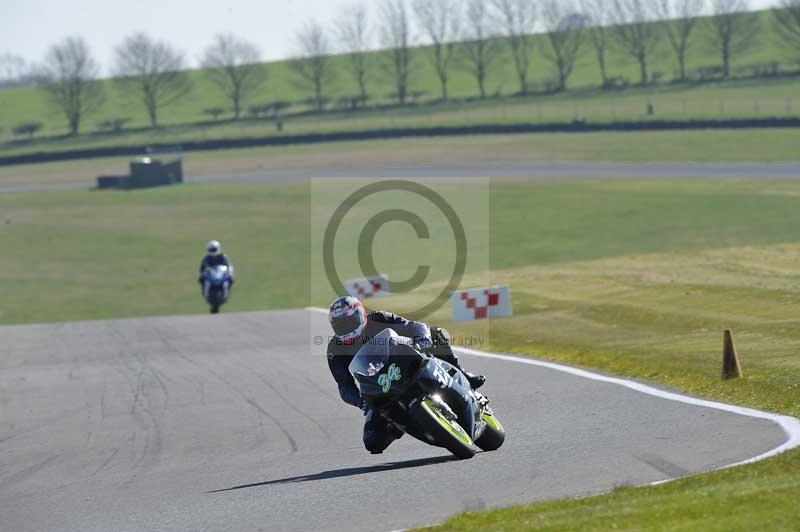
<point x="481" y="303"/>
<point x="369" y="287"/>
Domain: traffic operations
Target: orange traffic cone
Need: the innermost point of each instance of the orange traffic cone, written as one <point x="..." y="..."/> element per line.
<point x="731" y="368"/>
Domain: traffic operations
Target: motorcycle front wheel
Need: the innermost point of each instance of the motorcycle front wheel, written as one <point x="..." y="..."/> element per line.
<point x="441" y="431"/>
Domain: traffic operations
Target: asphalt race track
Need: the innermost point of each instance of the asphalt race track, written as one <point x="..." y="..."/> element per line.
<point x="533" y="170"/>
<point x="232" y="422"/>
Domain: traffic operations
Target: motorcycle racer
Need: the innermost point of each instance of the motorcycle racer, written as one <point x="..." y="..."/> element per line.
<point x="352" y="328"/>
<point x="213" y="258"/>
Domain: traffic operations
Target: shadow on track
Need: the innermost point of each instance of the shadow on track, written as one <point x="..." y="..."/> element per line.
<point x="346" y="472"/>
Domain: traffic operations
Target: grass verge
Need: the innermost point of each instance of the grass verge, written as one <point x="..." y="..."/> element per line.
<point x="755" y="497"/>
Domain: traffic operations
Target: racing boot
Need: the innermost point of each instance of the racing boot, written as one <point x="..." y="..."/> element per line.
<point x="444" y="351"/>
<point x="475" y="381"/>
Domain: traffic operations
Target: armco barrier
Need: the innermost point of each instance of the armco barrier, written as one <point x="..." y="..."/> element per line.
<point x="373" y="134"/>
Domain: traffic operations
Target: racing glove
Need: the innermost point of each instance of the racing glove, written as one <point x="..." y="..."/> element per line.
<point x="424" y="344"/>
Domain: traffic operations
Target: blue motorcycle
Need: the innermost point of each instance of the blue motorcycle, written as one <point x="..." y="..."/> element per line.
<point x="217" y="283"/>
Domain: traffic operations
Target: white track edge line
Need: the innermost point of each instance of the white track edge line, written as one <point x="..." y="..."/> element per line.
<point x="789" y="424"/>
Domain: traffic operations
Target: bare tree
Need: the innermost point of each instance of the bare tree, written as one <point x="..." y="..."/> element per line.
<point x="734" y="30"/>
<point x="233" y="66"/>
<point x="353" y="27"/>
<point x="679" y="18"/>
<point x="69" y="75"/>
<point x="314" y="64"/>
<point x="565" y="27"/>
<point x="787" y="23"/>
<point x="481" y="47"/>
<point x="635" y="31"/>
<point x="154" y="70"/>
<point x="599" y="32"/>
<point x="518" y="19"/>
<point x="441" y="21"/>
<point x="13" y="70"/>
<point x="396" y="37"/>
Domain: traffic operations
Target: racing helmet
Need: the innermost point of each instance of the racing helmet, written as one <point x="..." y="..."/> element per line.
<point x="348" y="318"/>
<point x="213" y="248"/>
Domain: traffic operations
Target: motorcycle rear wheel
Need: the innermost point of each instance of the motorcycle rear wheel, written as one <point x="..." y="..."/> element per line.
<point x="445" y="433"/>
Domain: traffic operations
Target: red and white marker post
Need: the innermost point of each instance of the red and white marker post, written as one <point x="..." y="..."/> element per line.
<point x="481" y="303"/>
<point x="377" y="286"/>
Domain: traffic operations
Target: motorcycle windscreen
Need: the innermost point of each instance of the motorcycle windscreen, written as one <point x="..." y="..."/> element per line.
<point x="218" y="274"/>
<point x="374" y="355"/>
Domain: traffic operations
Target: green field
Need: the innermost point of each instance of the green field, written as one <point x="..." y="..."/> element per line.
<point x="88" y="255"/>
<point x="637" y="278"/>
<point x="738" y="98"/>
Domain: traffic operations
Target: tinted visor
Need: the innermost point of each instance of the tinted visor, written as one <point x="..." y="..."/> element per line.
<point x="345" y="325"/>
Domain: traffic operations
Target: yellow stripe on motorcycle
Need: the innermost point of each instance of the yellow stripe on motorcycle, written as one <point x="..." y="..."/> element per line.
<point x="493" y="422"/>
<point x="454" y="428"/>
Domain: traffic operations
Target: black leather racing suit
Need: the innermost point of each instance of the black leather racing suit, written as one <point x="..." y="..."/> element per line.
<point x="377" y="433"/>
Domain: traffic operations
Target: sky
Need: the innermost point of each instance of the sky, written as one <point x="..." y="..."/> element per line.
<point x="28" y="27"/>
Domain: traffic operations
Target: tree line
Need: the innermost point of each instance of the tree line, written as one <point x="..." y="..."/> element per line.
<point x="471" y="35"/>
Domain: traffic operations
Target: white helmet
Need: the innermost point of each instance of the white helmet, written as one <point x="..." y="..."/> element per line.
<point x="213" y="248"/>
